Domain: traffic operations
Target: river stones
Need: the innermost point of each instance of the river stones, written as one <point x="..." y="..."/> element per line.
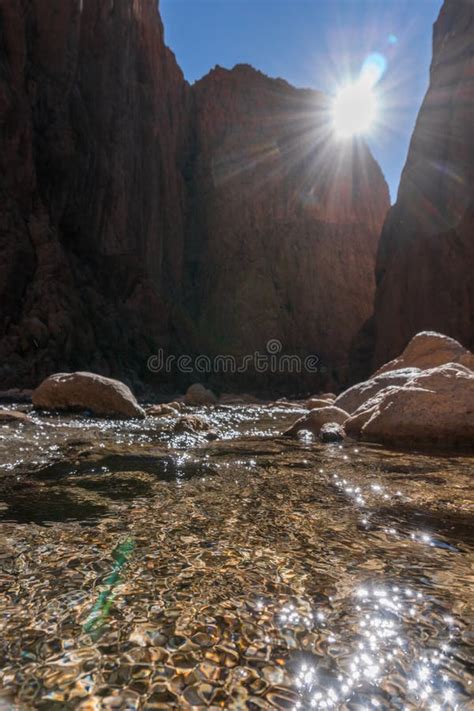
<point x="164" y="409"/>
<point x="332" y="432"/>
<point x="315" y="419"/>
<point x="190" y="424"/>
<point x="104" y="397"/>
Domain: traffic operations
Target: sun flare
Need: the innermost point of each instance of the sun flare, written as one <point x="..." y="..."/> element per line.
<point x="354" y="109"/>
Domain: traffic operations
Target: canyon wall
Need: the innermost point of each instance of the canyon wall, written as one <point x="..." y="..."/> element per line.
<point x="285" y="222"/>
<point x="425" y="264"/>
<point x="93" y="125"/>
<point x="138" y="212"/>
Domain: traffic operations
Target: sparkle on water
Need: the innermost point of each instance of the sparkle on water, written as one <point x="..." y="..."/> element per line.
<point x="144" y="570"/>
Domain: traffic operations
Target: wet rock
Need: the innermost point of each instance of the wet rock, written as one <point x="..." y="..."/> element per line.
<point x="318" y="401"/>
<point x="315" y="419"/>
<point x="13" y="416"/>
<point x="351" y="399"/>
<point x="87" y="391"/>
<point x="435" y="407"/>
<point x="190" y="424"/>
<point x="332" y="432"/>
<point x="164" y="409"/>
<point x="429" y="349"/>
<point x="197" y="394"/>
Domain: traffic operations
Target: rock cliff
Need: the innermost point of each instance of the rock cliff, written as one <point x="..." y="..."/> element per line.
<point x="93" y="130"/>
<point x="139" y="212"/>
<point x="285" y="221"/>
<point x="425" y="263"/>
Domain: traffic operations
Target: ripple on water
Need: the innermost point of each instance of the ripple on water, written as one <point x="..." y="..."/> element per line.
<point x="260" y="574"/>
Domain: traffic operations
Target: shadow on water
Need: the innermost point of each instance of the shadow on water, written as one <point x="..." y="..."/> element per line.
<point x="86" y="490"/>
<point x="162" y="467"/>
<point x="42" y="506"/>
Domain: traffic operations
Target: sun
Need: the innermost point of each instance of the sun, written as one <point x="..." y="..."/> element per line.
<point x="354" y="109"/>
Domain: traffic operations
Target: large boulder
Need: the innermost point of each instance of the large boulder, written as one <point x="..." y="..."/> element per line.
<point x="429" y="349"/>
<point x="315" y="419"/>
<point x="435" y="407"/>
<point x="351" y="399"/>
<point x="197" y="394"/>
<point x="104" y="397"/>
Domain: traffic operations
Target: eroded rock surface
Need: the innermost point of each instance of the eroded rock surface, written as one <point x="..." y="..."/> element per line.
<point x="429" y="349"/>
<point x="93" y="126"/>
<point x="285" y="224"/>
<point x="435" y="407"/>
<point x="426" y="257"/>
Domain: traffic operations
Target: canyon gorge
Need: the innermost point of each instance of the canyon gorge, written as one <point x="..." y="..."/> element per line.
<point x="139" y="212"/>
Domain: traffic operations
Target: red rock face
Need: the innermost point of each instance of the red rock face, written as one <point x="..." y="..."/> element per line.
<point x="137" y="212"/>
<point x="285" y="222"/>
<point x="425" y="263"/>
<point x="92" y="128"/>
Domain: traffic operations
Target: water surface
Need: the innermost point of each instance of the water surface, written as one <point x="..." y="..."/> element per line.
<point x="144" y="570"/>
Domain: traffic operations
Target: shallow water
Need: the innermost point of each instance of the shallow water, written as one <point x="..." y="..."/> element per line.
<point x="144" y="570"/>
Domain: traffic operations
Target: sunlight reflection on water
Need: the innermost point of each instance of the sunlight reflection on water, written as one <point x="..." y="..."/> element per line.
<point x="266" y="573"/>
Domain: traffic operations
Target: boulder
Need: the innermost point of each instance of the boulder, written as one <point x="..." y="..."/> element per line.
<point x="435" y="407"/>
<point x="315" y="419"/>
<point x="332" y="432"/>
<point x="351" y="399"/>
<point x="197" y="394"/>
<point x="429" y="349"/>
<point x="104" y="397"/>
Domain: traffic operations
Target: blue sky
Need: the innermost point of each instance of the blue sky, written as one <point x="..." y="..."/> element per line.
<point x="320" y="44"/>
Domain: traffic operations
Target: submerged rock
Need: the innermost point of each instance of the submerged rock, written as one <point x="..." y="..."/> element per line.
<point x="332" y="432"/>
<point x="104" y="397"/>
<point x="166" y="408"/>
<point x="315" y="419"/>
<point x="435" y="407"/>
<point x="190" y="424"/>
<point x="197" y="394"/>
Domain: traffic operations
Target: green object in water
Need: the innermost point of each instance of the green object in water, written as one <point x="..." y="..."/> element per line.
<point x="121" y="555"/>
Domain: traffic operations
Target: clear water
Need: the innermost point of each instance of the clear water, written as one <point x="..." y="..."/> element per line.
<point x="143" y="570"/>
